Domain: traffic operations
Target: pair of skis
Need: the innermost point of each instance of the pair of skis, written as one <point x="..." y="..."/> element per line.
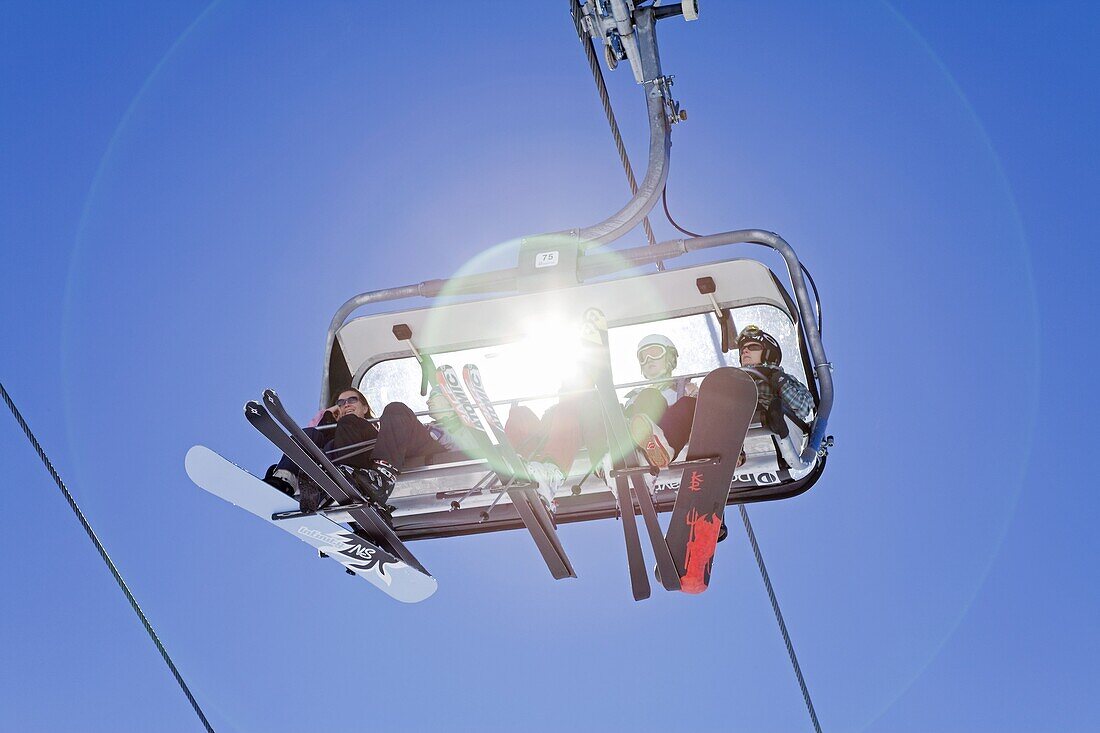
<point x="725" y="405"/>
<point x="506" y="462"/>
<point x="372" y="550"/>
<point x="628" y="474"/>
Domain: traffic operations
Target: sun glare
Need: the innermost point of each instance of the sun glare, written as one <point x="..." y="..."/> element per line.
<point x="548" y="354"/>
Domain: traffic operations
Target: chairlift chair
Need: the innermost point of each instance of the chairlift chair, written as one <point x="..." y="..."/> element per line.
<point x="503" y="320"/>
<point x="707" y="302"/>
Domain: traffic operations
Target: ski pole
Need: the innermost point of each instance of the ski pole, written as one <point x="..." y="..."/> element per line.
<point x="504" y="490"/>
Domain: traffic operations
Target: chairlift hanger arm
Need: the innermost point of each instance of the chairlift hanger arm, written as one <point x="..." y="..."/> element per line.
<point x="659" y="104"/>
<point x="628" y="31"/>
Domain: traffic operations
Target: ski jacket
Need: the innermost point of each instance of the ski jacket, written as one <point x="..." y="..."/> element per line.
<point x="672" y="391"/>
<point x="772" y="381"/>
<point x="450" y="441"/>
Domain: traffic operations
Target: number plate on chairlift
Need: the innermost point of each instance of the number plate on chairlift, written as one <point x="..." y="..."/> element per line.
<point x="546" y="259"/>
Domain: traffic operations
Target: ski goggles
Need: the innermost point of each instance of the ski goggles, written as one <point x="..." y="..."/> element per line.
<point x="752" y="332"/>
<point x="652" y="352"/>
<point x="353" y="400"/>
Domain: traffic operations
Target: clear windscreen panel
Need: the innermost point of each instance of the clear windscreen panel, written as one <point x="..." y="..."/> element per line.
<point x="534" y="370"/>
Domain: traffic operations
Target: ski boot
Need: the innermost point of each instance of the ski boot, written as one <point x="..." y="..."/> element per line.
<point x="549" y="479"/>
<point x="375" y="484"/>
<point x="310" y="496"/>
<point x="649" y="437"/>
<point x="282" y="479"/>
<point x="603" y="471"/>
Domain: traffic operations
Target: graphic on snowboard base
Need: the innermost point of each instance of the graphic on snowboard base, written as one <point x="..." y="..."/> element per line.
<point x="357" y="554"/>
<point x="724" y="409"/>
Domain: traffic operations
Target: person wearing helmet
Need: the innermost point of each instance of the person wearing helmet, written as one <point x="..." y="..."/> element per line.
<point x="761" y="356"/>
<point x="657" y="359"/>
<point x="660" y="414"/>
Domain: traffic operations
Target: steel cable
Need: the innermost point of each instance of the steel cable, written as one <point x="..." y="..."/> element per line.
<point x="779" y="616"/>
<point x="106" y="558"/>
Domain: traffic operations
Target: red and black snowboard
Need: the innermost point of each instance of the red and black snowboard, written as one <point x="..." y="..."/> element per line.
<point x="723" y="412"/>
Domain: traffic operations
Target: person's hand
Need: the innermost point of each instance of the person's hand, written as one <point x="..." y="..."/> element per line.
<point x="334" y="411"/>
<point x="691" y="390"/>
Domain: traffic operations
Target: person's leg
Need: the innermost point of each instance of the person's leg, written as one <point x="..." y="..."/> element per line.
<point x="551" y="446"/>
<point x="643" y="414"/>
<point x="564" y="433"/>
<point x="402" y="436"/>
<point x="317" y="436"/>
<point x="523" y="428"/>
<point x="676" y="423"/>
<point x="310" y="496"/>
<point x="284" y="474"/>
<point x="649" y="402"/>
<point x="351" y="430"/>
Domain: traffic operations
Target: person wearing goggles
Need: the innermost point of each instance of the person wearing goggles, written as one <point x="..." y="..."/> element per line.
<point x="660" y="414"/>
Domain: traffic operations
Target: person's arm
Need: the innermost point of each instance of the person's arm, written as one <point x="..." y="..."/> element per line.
<point x="451" y="434"/>
<point x="319" y="418"/>
<point x="796" y="397"/>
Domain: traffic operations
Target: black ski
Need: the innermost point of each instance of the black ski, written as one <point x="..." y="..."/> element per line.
<point x="624" y="454"/>
<point x="471" y="375"/>
<point x="297" y="446"/>
<point x="519" y="491"/>
<point x="594" y="331"/>
<point x="620" y="434"/>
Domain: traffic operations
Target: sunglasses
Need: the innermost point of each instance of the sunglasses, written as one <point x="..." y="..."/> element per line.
<point x="353" y="400"/>
<point x="653" y="352"/>
<point x="752" y="347"/>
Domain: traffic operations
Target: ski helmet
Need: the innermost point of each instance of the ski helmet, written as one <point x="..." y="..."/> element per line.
<point x="656" y="339"/>
<point x="773" y="354"/>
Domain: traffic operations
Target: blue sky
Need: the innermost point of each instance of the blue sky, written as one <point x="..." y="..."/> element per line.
<point x="190" y="191"/>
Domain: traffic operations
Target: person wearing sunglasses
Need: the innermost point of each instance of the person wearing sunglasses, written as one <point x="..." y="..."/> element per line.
<point x="351" y="414"/>
<point x="780" y="394"/>
<point x="402" y="436"/>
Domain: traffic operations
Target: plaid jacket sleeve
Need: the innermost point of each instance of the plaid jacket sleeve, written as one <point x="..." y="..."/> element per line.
<point x="796" y="397"/>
